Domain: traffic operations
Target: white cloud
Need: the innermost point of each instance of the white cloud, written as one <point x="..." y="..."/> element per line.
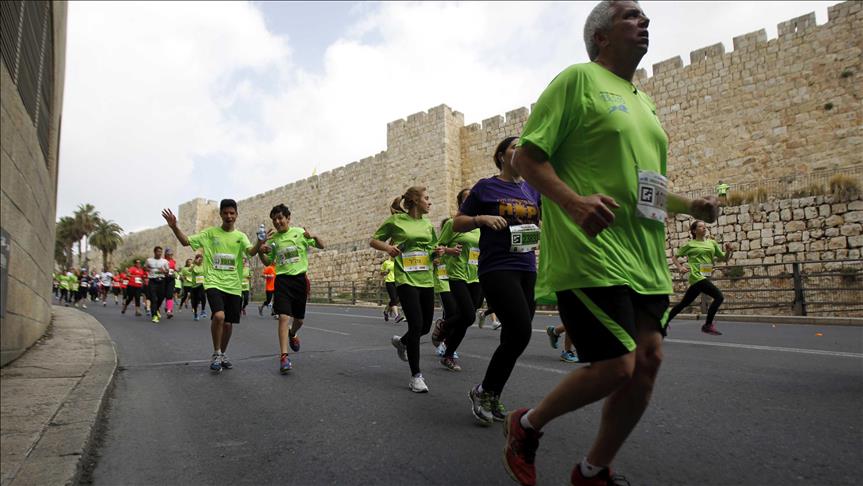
<point x="172" y="101"/>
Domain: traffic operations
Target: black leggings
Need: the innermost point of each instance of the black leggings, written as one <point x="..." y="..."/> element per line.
<point x="510" y="293"/>
<point x="418" y="308"/>
<point x="187" y="291"/>
<point x="269" y="298"/>
<point x="133" y="293"/>
<point x="199" y="297"/>
<point x="701" y="287"/>
<point x="245" y="299"/>
<point x="467" y="298"/>
<point x="391" y="291"/>
<point x="448" y="307"/>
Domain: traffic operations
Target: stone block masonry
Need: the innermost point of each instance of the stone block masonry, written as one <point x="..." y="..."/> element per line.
<point x="769" y="108"/>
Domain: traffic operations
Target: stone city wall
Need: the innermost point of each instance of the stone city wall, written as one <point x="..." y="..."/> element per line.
<point x="758" y="112"/>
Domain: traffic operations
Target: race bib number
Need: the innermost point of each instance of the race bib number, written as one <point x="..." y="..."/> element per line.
<point x="524" y="238"/>
<point x="170" y="272"/>
<point x="199" y="279"/>
<point x="441" y="272"/>
<point x="652" y="196"/>
<point x="415" y="261"/>
<point x="139" y="280"/>
<point x="287" y="255"/>
<point x="125" y="282"/>
<point x="473" y="256"/>
<point x="84" y="285"/>
<point x="225" y="261"/>
<point x="705" y="269"/>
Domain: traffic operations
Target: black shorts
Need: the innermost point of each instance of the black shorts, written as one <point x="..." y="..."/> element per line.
<point x="601" y="320"/>
<point x="230" y="304"/>
<point x="290" y="295"/>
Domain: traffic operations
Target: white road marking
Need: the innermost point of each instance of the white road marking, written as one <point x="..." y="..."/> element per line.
<point x="345" y="315"/>
<point x="519" y="365"/>
<point x="326" y="330"/>
<point x="769" y="348"/>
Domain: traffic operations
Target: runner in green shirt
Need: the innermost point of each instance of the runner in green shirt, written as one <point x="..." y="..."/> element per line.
<point x="700" y="254"/>
<point x="388" y="268"/>
<point x="288" y="249"/>
<point x="595" y="149"/>
<point x="187" y="280"/>
<point x="224" y="248"/>
<point x="409" y="237"/>
<point x="199" y="297"/>
<point x="462" y="263"/>
<point x="65" y="285"/>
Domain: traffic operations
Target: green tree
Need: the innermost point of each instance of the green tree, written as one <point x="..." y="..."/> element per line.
<point x="107" y="237"/>
<point x="66" y="235"/>
<point x="86" y="218"/>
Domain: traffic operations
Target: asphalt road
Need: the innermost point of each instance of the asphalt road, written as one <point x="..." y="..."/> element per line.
<point x="759" y="405"/>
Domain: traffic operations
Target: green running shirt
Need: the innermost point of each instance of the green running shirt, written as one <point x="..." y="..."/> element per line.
<point x="416" y="239"/>
<point x="289" y="251"/>
<point x="464" y="266"/>
<point x="223" y="258"/>
<point x="599" y="131"/>
<point x="700" y="256"/>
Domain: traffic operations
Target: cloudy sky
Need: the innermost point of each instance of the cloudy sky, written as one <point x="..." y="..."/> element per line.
<point x="168" y="101"/>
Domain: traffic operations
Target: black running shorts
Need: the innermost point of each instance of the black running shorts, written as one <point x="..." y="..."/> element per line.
<point x="601" y="320"/>
<point x="230" y="304"/>
<point x="290" y="295"/>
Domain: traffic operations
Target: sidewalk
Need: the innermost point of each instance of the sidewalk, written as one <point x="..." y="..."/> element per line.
<point x="51" y="399"/>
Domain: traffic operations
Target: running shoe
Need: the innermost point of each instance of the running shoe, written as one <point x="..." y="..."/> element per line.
<point x="401" y="349"/>
<point x="604" y="478"/>
<point x="437" y="332"/>
<point x="203" y="315"/>
<point x="498" y="411"/>
<point x="123" y="310"/>
<point x="418" y="384"/>
<point x="104" y="304"/>
<point x="196" y="318"/>
<point x="450" y="363"/>
<point x="226" y="363"/>
<point x="216" y="363"/>
<point x="285" y="364"/>
<point x="261" y="310"/>
<point x="155" y="319"/>
<point x="148" y="313"/>
<point x="170" y="314"/>
<point x="399" y="318"/>
<point x="520" y="451"/>
<point x="84" y="305"/>
<point x="710" y="329"/>
<point x="386" y="316"/>
<point x="441" y="350"/>
<point x="480" y="318"/>
<point x="481" y="406"/>
<point x="495" y="325"/>
<point x="294" y="343"/>
<point x="553" y="337"/>
<point x="568" y="357"/>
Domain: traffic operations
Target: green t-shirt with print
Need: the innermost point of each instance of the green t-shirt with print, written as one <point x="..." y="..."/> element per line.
<point x="289" y="251"/>
<point x="73" y="282"/>
<point x="441" y="275"/>
<point x="416" y="239"/>
<point x="64" y="281"/>
<point x="389" y="267"/>
<point x="465" y="265"/>
<point x="198" y="277"/>
<point x="247" y="278"/>
<point x="700" y="256"/>
<point x="223" y="258"/>
<point x="602" y="136"/>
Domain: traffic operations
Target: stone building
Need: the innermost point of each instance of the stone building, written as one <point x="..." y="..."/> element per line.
<point x="783" y="109"/>
<point x="32" y="56"/>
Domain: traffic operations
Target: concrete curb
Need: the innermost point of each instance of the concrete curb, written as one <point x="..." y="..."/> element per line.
<point x="59" y="402"/>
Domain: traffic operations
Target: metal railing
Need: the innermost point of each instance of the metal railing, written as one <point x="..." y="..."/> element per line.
<point x="824" y="288"/>
<point x="787" y="186"/>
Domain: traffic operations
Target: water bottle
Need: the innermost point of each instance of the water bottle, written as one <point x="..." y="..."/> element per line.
<point x="262" y="232"/>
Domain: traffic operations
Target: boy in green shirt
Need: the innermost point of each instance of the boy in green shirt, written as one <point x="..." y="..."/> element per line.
<point x="224" y="248"/>
<point x="287" y="248"/>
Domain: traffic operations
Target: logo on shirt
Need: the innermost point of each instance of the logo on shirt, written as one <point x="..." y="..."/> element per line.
<point x="517" y="209"/>
<point x="615" y="101"/>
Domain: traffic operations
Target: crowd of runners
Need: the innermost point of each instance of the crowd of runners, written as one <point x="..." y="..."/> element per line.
<point x="574" y="217"/>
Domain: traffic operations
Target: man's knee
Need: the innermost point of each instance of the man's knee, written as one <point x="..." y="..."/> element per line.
<point x="617" y="371"/>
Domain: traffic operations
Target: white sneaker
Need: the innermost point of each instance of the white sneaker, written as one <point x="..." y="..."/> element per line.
<point x="401" y="349"/>
<point x="495" y="325"/>
<point x="418" y="384"/>
<point x="480" y="318"/>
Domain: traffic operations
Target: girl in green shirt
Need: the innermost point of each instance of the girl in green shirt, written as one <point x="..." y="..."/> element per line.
<point x="409" y="237"/>
<point x="700" y="254"/>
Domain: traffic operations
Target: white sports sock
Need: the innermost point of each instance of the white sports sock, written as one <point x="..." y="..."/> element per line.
<point x="588" y="470"/>
<point x="525" y="422"/>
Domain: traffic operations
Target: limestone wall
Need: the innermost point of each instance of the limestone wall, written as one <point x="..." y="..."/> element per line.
<point x="788" y="106"/>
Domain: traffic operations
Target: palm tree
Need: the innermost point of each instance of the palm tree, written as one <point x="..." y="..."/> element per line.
<point x="66" y="235"/>
<point x="107" y="236"/>
<point x="86" y="218"/>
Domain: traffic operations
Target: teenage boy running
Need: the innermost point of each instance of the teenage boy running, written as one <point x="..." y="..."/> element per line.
<point x="224" y="248"/>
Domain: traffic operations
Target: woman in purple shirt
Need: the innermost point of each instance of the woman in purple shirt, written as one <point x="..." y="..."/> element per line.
<point x="506" y="209"/>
